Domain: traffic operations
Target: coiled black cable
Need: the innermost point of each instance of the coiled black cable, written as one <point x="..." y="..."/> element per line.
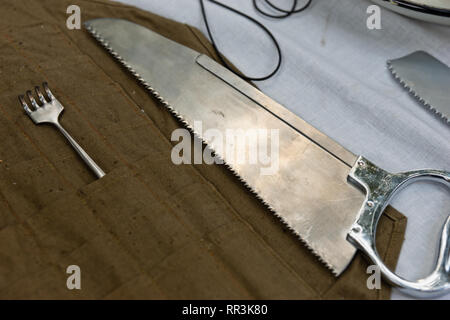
<point x="284" y="14"/>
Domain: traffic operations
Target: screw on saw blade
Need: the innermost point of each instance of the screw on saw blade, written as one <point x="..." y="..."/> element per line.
<point x="361" y="163"/>
<point x="356" y="229"/>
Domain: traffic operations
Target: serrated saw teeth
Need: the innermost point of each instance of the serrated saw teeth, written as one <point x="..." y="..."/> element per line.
<point x="230" y="166"/>
<point x="416" y="96"/>
<point x="414" y="71"/>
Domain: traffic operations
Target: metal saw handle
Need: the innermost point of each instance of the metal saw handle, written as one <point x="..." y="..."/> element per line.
<point x="381" y="186"/>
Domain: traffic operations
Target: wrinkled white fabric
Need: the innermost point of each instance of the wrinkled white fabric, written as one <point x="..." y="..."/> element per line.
<point x="334" y="76"/>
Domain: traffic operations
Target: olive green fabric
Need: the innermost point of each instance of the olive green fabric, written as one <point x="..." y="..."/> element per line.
<point x="149" y="229"/>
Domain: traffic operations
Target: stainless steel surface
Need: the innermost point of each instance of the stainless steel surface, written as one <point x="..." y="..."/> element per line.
<point x="298" y="124"/>
<point x="381" y="187"/>
<point x="427" y="79"/>
<point x="49" y="112"/>
<point x="309" y="193"/>
<point x="435" y="11"/>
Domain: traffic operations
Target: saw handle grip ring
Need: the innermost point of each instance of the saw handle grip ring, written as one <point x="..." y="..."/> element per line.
<point x="380" y="187"/>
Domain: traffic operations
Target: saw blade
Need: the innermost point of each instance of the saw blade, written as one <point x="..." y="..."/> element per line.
<point x="425" y="78"/>
<point x="309" y="191"/>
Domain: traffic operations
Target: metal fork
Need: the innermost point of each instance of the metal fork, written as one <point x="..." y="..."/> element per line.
<point x="48" y="112"/>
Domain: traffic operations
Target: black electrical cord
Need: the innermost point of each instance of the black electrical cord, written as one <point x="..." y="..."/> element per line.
<point x="285" y="13"/>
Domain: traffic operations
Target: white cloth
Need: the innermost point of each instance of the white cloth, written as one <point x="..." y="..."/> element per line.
<point x="334" y="76"/>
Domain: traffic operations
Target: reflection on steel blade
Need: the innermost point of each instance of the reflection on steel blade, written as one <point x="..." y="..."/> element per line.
<point x="309" y="192"/>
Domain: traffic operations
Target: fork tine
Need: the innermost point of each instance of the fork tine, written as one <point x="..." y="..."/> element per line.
<point x="24" y="104"/>
<point x="49" y="93"/>
<point x="39" y="94"/>
<point x="32" y="100"/>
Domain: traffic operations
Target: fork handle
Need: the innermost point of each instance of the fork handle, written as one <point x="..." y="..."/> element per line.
<point x="87" y="159"/>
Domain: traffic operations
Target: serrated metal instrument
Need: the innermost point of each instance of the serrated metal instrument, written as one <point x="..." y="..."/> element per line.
<point x="427" y="79"/>
<point x="316" y="190"/>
